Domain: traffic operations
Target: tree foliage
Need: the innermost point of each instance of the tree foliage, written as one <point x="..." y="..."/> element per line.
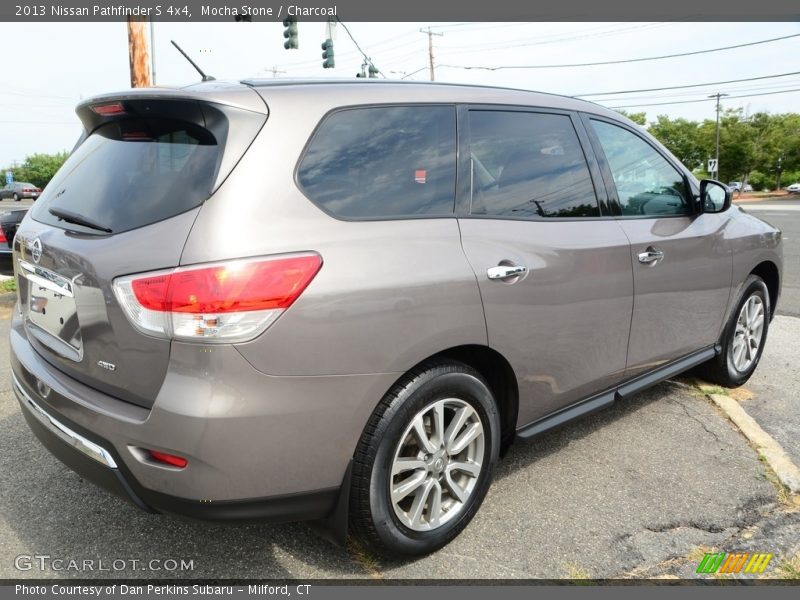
<point x="38" y="169"/>
<point x="752" y="148"/>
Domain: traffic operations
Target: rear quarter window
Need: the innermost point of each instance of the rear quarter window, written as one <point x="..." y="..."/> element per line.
<point x="383" y="162"/>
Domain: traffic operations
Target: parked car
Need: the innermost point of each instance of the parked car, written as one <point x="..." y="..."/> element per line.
<point x="736" y="186"/>
<point x="18" y="190"/>
<point x="794" y="188"/>
<point x="9" y="221"/>
<point x="421" y="274"/>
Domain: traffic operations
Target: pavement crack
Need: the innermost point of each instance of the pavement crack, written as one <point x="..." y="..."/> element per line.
<point x="697" y="420"/>
<point x="672" y="527"/>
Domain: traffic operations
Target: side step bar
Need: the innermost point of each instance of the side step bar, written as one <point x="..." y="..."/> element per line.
<point x="620" y="392"/>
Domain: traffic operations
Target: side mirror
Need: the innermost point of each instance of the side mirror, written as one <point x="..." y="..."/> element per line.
<point x="715" y="197"/>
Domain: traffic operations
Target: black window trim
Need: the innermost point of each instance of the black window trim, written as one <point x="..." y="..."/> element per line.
<point x="605" y="168"/>
<point x="343" y="108"/>
<point x="464" y="185"/>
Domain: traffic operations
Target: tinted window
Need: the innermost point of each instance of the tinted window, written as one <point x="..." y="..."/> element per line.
<point x="383" y="162"/>
<point x="528" y="165"/>
<point x="647" y="184"/>
<point x="132" y="173"/>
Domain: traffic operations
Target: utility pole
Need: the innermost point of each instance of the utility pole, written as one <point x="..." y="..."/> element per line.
<point x="274" y="70"/>
<point x="431" y="33"/>
<point x="138" y="52"/>
<point x="153" y="50"/>
<point x="717" y="96"/>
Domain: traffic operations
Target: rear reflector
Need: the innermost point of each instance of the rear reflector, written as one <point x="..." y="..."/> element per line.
<point x="109" y="110"/>
<point x="168" y="459"/>
<point x="225" y="302"/>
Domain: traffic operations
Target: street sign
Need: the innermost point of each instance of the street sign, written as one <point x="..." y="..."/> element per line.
<point x="9" y="177"/>
<point x="712" y="165"/>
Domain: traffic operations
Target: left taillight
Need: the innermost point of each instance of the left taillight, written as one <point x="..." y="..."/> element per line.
<point x="3" y="238"/>
<point x="230" y="302"/>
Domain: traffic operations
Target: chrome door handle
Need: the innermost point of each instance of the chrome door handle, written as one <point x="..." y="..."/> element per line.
<point x="504" y="272"/>
<point x="650" y="255"/>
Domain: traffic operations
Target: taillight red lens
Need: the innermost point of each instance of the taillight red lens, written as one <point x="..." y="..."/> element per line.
<point x="3" y="238"/>
<point x="168" y="459"/>
<point x="108" y="110"/>
<point x="232" y="287"/>
<point x="27" y="190"/>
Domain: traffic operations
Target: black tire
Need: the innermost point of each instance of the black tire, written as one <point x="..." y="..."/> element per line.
<point x="721" y="369"/>
<point x="373" y="520"/>
<point x="16" y="198"/>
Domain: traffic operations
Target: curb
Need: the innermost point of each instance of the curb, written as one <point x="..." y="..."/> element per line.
<point x="776" y="457"/>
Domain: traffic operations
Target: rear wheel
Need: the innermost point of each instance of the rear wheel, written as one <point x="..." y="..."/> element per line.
<point x="425" y="460"/>
<point x="16" y="197"/>
<point x="744" y="337"/>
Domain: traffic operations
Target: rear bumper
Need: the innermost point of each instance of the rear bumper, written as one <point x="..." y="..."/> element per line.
<point x="259" y="447"/>
<point x="92" y="460"/>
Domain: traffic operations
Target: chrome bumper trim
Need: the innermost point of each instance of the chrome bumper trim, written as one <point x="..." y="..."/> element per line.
<point x="76" y="440"/>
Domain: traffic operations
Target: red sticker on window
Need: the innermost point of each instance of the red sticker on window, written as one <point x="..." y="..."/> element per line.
<point x="420" y="175"/>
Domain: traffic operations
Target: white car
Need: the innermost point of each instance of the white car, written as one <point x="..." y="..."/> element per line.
<point x="794" y="188"/>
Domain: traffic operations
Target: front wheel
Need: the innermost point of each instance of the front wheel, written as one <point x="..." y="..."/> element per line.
<point x="425" y="460"/>
<point x="744" y="336"/>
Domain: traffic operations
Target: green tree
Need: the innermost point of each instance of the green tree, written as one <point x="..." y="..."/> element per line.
<point x="38" y="169"/>
<point x="682" y="137"/>
<point x="639" y="118"/>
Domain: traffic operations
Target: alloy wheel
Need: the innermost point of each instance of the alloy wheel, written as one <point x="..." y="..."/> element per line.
<point x="748" y="333"/>
<point x="437" y="464"/>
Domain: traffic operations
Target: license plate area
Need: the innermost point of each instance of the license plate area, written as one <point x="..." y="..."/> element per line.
<point x="50" y="311"/>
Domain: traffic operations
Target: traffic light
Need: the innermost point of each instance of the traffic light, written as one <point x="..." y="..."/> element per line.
<point x="373" y="71"/>
<point x="290" y="33"/>
<point x="327" y="54"/>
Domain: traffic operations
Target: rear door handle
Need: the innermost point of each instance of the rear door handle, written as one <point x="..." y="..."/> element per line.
<point x="504" y="271"/>
<point x="650" y="255"/>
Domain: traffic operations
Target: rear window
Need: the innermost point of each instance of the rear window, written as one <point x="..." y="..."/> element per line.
<point x="383" y="162"/>
<point x="132" y="173"/>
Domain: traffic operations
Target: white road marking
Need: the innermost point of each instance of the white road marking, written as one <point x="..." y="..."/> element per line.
<point x="758" y="206"/>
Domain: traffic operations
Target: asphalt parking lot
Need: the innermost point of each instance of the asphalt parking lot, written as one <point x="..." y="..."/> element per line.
<point x="642" y="489"/>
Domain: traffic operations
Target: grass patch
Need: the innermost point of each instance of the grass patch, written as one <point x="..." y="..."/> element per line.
<point x="8" y="285"/>
<point x="789" y="569"/>
<point x="577" y="574"/>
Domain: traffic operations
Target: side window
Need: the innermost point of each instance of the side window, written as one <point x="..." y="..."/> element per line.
<point x="528" y="165"/>
<point x="647" y="184"/>
<point x="383" y="162"/>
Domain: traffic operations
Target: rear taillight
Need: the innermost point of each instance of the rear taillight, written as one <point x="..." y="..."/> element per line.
<point x="3" y="238"/>
<point x="27" y="190"/>
<point x="226" y="302"/>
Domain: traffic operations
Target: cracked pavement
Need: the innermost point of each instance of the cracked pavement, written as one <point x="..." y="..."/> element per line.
<point x="629" y="491"/>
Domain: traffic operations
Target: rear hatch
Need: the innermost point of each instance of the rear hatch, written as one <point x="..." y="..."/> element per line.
<point x="124" y="202"/>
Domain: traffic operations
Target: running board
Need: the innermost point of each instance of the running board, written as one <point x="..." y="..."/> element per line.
<point x="622" y="391"/>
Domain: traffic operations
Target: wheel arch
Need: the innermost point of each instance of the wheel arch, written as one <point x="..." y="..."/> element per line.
<point x="500" y="376"/>
<point x="768" y="271"/>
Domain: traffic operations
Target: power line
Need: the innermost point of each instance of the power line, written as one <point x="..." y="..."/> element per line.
<point x="618" y="62"/>
<point x="683" y="87"/>
<point x="738" y="89"/>
<point x="546" y="40"/>
<point x="704" y="99"/>
<point x="364" y="54"/>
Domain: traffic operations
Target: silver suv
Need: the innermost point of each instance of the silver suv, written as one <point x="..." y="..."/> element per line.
<point x="343" y="301"/>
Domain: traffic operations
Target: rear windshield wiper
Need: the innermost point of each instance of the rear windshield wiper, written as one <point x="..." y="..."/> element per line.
<point x="71" y="217"/>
